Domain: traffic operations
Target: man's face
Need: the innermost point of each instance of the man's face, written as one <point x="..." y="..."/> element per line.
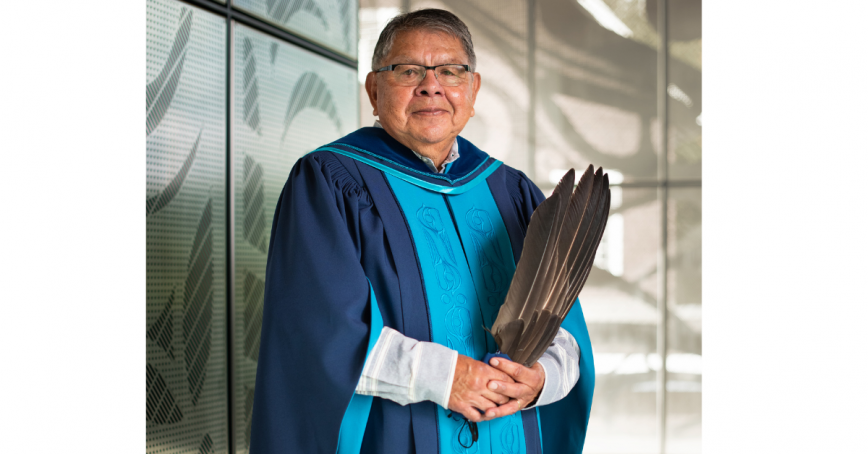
<point x="428" y="114"/>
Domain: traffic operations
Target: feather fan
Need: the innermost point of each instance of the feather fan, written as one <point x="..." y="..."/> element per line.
<point x="559" y="248"/>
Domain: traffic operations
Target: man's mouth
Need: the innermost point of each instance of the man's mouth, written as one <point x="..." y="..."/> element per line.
<point x="430" y="112"/>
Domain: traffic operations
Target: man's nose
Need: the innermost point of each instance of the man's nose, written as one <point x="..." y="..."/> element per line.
<point x="429" y="86"/>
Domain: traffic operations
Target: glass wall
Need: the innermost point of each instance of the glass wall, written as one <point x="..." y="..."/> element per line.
<point x="224" y="112"/>
<point x="288" y="102"/>
<point x="684" y="380"/>
<point x="620" y="304"/>
<point x="684" y="225"/>
<point x="331" y="23"/>
<point x="596" y="90"/>
<point x="186" y="229"/>
<point x="685" y="89"/>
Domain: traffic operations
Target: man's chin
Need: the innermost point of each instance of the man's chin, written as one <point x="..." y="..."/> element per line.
<point x="431" y="139"/>
<point x="431" y="134"/>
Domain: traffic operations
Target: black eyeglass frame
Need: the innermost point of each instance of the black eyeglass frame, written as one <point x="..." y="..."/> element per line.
<point x="433" y="68"/>
<point x="392" y="67"/>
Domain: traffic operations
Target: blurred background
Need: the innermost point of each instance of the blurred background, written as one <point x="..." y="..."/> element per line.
<point x="237" y="92"/>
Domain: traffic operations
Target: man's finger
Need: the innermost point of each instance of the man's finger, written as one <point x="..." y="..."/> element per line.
<point x="468" y="411"/>
<point x="481" y="402"/>
<point x="512" y="369"/>
<point x="495" y="374"/>
<point x="472" y="411"/>
<point x="513" y="390"/>
<point x="495" y="397"/>
<point x="504" y="410"/>
<point x="529" y="376"/>
<point x="472" y="414"/>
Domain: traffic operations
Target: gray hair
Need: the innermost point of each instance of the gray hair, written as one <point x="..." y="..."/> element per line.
<point x="435" y="20"/>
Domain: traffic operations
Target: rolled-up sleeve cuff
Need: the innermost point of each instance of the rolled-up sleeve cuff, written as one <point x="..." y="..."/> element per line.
<point x="552" y="385"/>
<point x="433" y="374"/>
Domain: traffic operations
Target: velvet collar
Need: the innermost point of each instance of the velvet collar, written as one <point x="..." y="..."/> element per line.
<point x="376" y="142"/>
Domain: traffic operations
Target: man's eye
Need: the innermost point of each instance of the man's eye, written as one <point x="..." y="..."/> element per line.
<point x="447" y="72"/>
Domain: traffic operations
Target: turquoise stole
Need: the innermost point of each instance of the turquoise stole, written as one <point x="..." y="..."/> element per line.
<point x="463" y="294"/>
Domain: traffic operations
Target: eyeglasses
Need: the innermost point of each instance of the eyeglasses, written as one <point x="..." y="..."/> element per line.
<point x="413" y="75"/>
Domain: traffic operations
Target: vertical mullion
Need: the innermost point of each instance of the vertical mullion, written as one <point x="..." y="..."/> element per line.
<point x="531" y="89"/>
<point x="230" y="229"/>
<point x="663" y="197"/>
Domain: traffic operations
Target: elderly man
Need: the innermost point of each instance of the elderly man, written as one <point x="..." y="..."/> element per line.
<point x="391" y="252"/>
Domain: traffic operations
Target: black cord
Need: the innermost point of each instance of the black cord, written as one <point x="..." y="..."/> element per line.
<point x="474" y="430"/>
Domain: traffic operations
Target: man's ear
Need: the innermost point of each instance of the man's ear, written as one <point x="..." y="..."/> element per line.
<point x="371" y="88"/>
<point x="477" y="84"/>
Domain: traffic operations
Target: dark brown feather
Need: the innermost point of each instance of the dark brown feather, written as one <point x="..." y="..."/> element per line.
<point x="577" y="285"/>
<point x="535" y="240"/>
<point x="571" y="245"/>
<point x="509" y="334"/>
<point x="532" y="335"/>
<point x="545" y="341"/>
<point x="536" y="305"/>
<point x="521" y="344"/>
<point x="534" y="266"/>
<point x="582" y="206"/>
<point x="562" y="240"/>
<point x="585" y="243"/>
<point x="537" y="297"/>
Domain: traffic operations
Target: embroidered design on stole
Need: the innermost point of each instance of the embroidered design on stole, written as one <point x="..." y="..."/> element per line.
<point x="510" y="437"/>
<point x="458" y="316"/>
<point x="496" y="283"/>
<point x="489" y="254"/>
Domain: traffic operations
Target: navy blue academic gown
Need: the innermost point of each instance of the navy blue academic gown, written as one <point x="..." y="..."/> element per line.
<point x="341" y="262"/>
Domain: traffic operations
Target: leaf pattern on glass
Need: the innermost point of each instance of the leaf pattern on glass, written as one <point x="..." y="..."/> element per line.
<point x="160" y="403"/>
<point x="344" y="9"/>
<point x="248" y="412"/>
<point x="206" y="445"/>
<point x="310" y="91"/>
<point x="162" y="331"/>
<point x="272" y="49"/>
<point x="157" y="202"/>
<point x="254" y="203"/>
<point x="283" y="10"/>
<point x="254" y="293"/>
<point x="251" y="87"/>
<point x="198" y="305"/>
<point x="161" y="90"/>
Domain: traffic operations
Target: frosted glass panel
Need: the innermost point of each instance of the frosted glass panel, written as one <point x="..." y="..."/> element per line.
<point x="333" y="23"/>
<point x="287" y="102"/>
<point x="596" y="76"/>
<point x="685" y="88"/>
<point x="684" y="385"/>
<point x="620" y="306"/>
<point x="186" y="236"/>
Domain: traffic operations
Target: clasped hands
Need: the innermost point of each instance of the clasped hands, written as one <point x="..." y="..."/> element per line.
<point x="499" y="389"/>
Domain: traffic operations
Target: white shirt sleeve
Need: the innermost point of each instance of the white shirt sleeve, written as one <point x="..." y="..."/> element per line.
<point x="561" y="365"/>
<point x="407" y="371"/>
